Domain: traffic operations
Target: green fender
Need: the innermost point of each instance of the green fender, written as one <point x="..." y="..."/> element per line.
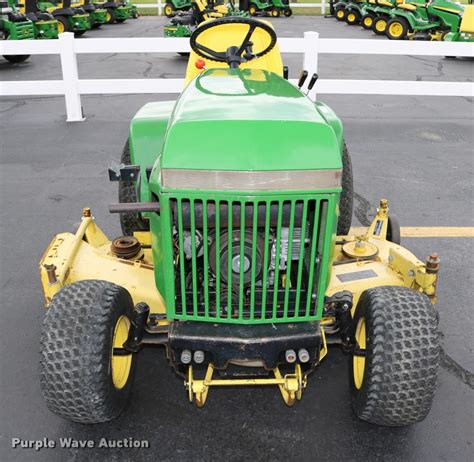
<point x="333" y="120"/>
<point x="147" y="132"/>
<point x="396" y="13"/>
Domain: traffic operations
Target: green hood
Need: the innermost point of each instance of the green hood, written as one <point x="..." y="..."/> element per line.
<point x="247" y="120"/>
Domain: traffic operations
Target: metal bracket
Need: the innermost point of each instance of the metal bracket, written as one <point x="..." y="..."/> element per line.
<point x="122" y="172"/>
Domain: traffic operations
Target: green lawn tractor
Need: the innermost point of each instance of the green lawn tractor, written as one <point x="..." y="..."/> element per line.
<point x="360" y="12"/>
<point x="132" y="8"/>
<point x="263" y="7"/>
<point x="465" y="33"/>
<point x="46" y="27"/>
<point x="183" y="25"/>
<point x="97" y="15"/>
<point x="382" y="15"/>
<point x="171" y="8"/>
<point x="14" y="26"/>
<point x="241" y="264"/>
<point x="427" y="21"/>
<point x="116" y="11"/>
<point x="69" y="19"/>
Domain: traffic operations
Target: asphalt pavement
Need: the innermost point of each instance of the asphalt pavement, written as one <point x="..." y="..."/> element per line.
<point x="415" y="151"/>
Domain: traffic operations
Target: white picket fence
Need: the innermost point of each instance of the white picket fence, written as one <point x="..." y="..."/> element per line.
<point x="310" y="46"/>
<point x="159" y="5"/>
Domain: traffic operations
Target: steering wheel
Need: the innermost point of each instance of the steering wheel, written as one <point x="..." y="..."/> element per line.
<point x="234" y="55"/>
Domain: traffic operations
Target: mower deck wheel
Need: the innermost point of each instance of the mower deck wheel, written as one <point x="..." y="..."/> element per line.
<point x="253" y="10"/>
<point x="380" y="25"/>
<point x="129" y="222"/>
<point x="367" y="21"/>
<point x="393" y="370"/>
<point x="352" y="17"/>
<point x="397" y="29"/>
<point x="170" y="10"/>
<point x="111" y="15"/>
<point x="82" y="378"/>
<point x="340" y="14"/>
<point x="63" y="24"/>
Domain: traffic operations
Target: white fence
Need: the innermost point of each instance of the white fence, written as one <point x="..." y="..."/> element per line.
<point x="310" y="46"/>
<point x="160" y="4"/>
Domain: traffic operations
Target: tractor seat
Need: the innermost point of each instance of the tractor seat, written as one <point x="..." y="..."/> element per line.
<point x="184" y="20"/>
<point x="32" y="17"/>
<point x="384" y="3"/>
<point x="407" y="6"/>
<point x="467" y="23"/>
<point x="17" y="17"/>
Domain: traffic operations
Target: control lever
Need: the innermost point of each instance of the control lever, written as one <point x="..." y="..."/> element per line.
<point x="285" y="72"/>
<point x="302" y="79"/>
<point x="311" y="83"/>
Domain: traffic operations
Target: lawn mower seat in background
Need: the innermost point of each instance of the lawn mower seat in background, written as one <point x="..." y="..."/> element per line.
<point x="224" y="36"/>
<point x="467" y="23"/>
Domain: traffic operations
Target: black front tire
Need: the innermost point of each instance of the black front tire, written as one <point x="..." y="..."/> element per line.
<point x="76" y="352"/>
<point x="130" y="222"/>
<point x="16" y="59"/>
<point x="111" y="15"/>
<point x="346" y="200"/>
<point x="288" y="12"/>
<point x="352" y="18"/>
<point x="79" y="33"/>
<point x="377" y="26"/>
<point x="340" y="14"/>
<point x="366" y="21"/>
<point x="401" y="357"/>
<point x="65" y="23"/>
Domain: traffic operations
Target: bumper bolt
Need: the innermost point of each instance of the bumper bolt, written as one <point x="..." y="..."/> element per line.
<point x="51" y="273"/>
<point x="86" y="212"/>
<point x="186" y="356"/>
<point x="303" y="355"/>
<point x="198" y="357"/>
<point x="290" y="356"/>
<point x="432" y="263"/>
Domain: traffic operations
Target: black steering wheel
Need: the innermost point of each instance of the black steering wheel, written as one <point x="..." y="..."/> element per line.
<point x="234" y="55"/>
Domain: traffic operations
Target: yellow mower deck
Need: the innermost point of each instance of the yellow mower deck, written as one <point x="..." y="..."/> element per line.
<point x="359" y="263"/>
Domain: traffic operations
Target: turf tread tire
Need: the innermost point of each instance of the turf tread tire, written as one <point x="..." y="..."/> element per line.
<point x="130" y="222"/>
<point x="75" y="348"/>
<point x="402" y="357"/>
<point x="346" y="201"/>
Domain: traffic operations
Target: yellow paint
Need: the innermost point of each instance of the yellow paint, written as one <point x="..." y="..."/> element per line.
<point x="221" y="37"/>
<point x="120" y="364"/>
<point x="467" y="23"/>
<point x="359" y="361"/>
<point x="427" y="231"/>
<point x="407" y="6"/>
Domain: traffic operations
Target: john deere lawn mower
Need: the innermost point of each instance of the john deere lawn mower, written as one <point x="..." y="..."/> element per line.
<point x="116" y="11"/>
<point x="382" y="15"/>
<point x="183" y="25"/>
<point x="14" y="26"/>
<point x="430" y="21"/>
<point x="46" y="27"/>
<point x="337" y="9"/>
<point x="359" y="12"/>
<point x="69" y="19"/>
<point x="240" y="265"/>
<point x="172" y="7"/>
<point x="97" y="15"/>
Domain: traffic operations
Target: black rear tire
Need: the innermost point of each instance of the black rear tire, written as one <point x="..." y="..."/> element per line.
<point x="65" y="23"/>
<point x="401" y="357"/>
<point x="377" y="25"/>
<point x="340" y="14"/>
<point x="346" y="200"/>
<point x="394" y="233"/>
<point x="130" y="222"/>
<point x="352" y="17"/>
<point x="401" y="30"/>
<point x="366" y="21"/>
<point x="111" y="15"/>
<point x="76" y="352"/>
<point x="288" y="12"/>
<point x="79" y="33"/>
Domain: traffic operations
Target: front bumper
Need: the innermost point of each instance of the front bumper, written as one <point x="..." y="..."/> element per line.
<point x="80" y="22"/>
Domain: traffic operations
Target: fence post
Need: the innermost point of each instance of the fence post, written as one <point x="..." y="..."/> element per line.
<point x="160" y="8"/>
<point x="310" y="57"/>
<point x="70" y="78"/>
<point x="323" y="7"/>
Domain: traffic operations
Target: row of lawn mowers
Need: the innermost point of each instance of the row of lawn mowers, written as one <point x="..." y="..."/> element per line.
<point x="46" y="19"/>
<point x="273" y="8"/>
<point x="417" y="19"/>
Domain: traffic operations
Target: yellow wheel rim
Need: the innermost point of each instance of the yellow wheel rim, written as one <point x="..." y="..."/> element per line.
<point x="351" y="17"/>
<point x="168" y="10"/>
<point x="340" y="14"/>
<point x="395" y="29"/>
<point x="109" y="17"/>
<point x="121" y="364"/>
<point x="274" y="13"/>
<point x="359" y="361"/>
<point x="60" y="27"/>
<point x="368" y="22"/>
<point x="381" y="25"/>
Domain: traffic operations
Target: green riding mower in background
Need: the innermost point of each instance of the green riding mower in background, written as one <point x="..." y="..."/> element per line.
<point x="116" y="11"/>
<point x="337" y="9"/>
<point x="359" y="12"/>
<point x="69" y="19"/>
<point x="97" y="15"/>
<point x="46" y="27"/>
<point x="15" y="26"/>
<point x="429" y="21"/>
<point x="237" y="257"/>
<point x="382" y="15"/>
<point x="261" y="7"/>
<point x="132" y="8"/>
<point x="282" y="7"/>
<point x="172" y="7"/>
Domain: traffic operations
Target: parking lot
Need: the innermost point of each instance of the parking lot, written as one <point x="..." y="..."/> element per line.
<point x="415" y="151"/>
